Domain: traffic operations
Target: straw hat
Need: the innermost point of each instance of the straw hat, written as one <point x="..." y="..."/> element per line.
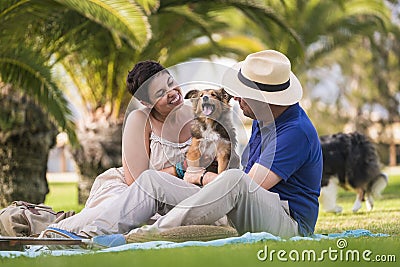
<point x="265" y="76"/>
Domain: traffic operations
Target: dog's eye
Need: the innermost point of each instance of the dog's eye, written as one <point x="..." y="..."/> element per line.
<point x="201" y="94"/>
<point x="213" y="94"/>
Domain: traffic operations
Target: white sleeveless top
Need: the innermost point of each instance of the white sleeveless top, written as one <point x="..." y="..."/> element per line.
<point x="164" y="153"/>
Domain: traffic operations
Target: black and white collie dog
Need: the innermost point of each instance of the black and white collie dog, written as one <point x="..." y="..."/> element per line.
<point x="350" y="161"/>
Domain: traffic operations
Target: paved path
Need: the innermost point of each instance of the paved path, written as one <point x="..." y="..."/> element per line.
<point x="392" y="170"/>
<point x="62" y="177"/>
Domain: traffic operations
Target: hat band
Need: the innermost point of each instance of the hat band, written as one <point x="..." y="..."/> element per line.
<point x="263" y="86"/>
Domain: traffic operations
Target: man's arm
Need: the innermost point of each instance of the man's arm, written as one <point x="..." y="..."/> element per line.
<point x="264" y="176"/>
<point x="260" y="174"/>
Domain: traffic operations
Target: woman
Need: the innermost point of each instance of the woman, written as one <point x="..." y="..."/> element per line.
<point x="154" y="137"/>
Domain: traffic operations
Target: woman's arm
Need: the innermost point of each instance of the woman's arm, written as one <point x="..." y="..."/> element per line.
<point x="194" y="176"/>
<point x="170" y="170"/>
<point x="135" y="145"/>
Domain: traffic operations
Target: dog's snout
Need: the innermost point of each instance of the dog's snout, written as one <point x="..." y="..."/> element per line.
<point x="205" y="98"/>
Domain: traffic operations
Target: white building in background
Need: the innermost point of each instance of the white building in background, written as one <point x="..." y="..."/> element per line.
<point x="385" y="136"/>
<point x="60" y="159"/>
<point x="388" y="135"/>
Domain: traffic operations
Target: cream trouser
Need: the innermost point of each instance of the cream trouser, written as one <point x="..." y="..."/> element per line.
<point x="249" y="207"/>
<point x="108" y="186"/>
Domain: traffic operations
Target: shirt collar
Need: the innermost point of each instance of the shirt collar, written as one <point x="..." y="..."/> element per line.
<point x="288" y="113"/>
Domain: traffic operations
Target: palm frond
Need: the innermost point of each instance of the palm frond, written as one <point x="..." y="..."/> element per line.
<point x="28" y="72"/>
<point x="369" y="8"/>
<point x="263" y="14"/>
<point x="241" y="45"/>
<point x="123" y="16"/>
<point x="256" y="11"/>
<point x="236" y="47"/>
<point x="194" y="18"/>
<point x="356" y="19"/>
<point x="149" y="6"/>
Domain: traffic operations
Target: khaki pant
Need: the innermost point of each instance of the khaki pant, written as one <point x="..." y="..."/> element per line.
<point x="249" y="207"/>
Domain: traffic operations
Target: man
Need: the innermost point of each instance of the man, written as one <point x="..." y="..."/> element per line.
<point x="278" y="189"/>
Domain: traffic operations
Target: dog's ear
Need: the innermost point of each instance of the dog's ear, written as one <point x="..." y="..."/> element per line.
<point x="192" y="94"/>
<point x="225" y="95"/>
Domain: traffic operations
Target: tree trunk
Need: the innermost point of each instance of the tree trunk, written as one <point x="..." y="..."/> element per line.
<point x="100" y="150"/>
<point x="26" y="136"/>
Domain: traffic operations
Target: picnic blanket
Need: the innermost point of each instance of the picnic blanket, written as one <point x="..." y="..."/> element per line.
<point x="247" y="238"/>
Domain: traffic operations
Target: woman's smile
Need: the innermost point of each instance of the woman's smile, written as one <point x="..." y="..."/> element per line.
<point x="175" y="99"/>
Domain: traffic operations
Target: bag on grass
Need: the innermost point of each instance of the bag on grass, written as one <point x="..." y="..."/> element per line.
<point x="26" y="219"/>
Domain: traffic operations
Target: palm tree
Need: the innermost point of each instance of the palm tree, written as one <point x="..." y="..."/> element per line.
<point x="324" y="26"/>
<point x="38" y="38"/>
<point x="332" y="33"/>
<point x="370" y="82"/>
<point x="27" y="131"/>
<point x="25" y="139"/>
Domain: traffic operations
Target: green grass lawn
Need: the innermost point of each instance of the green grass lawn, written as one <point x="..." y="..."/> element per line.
<point x="385" y="218"/>
<point x="63" y="196"/>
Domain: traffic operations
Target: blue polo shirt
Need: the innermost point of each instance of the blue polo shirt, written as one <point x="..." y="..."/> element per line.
<point x="291" y="149"/>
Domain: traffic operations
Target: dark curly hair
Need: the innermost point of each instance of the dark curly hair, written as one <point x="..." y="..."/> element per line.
<point x="140" y="73"/>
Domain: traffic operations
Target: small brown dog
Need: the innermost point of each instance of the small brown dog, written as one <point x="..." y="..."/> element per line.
<point x="213" y="134"/>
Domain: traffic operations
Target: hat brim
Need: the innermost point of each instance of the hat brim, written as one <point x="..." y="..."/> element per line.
<point x="235" y="87"/>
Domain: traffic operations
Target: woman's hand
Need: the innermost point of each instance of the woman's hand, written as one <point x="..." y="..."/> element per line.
<point x="193" y="174"/>
<point x="170" y="170"/>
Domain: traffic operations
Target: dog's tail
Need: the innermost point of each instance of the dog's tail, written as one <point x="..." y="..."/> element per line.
<point x="379" y="185"/>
